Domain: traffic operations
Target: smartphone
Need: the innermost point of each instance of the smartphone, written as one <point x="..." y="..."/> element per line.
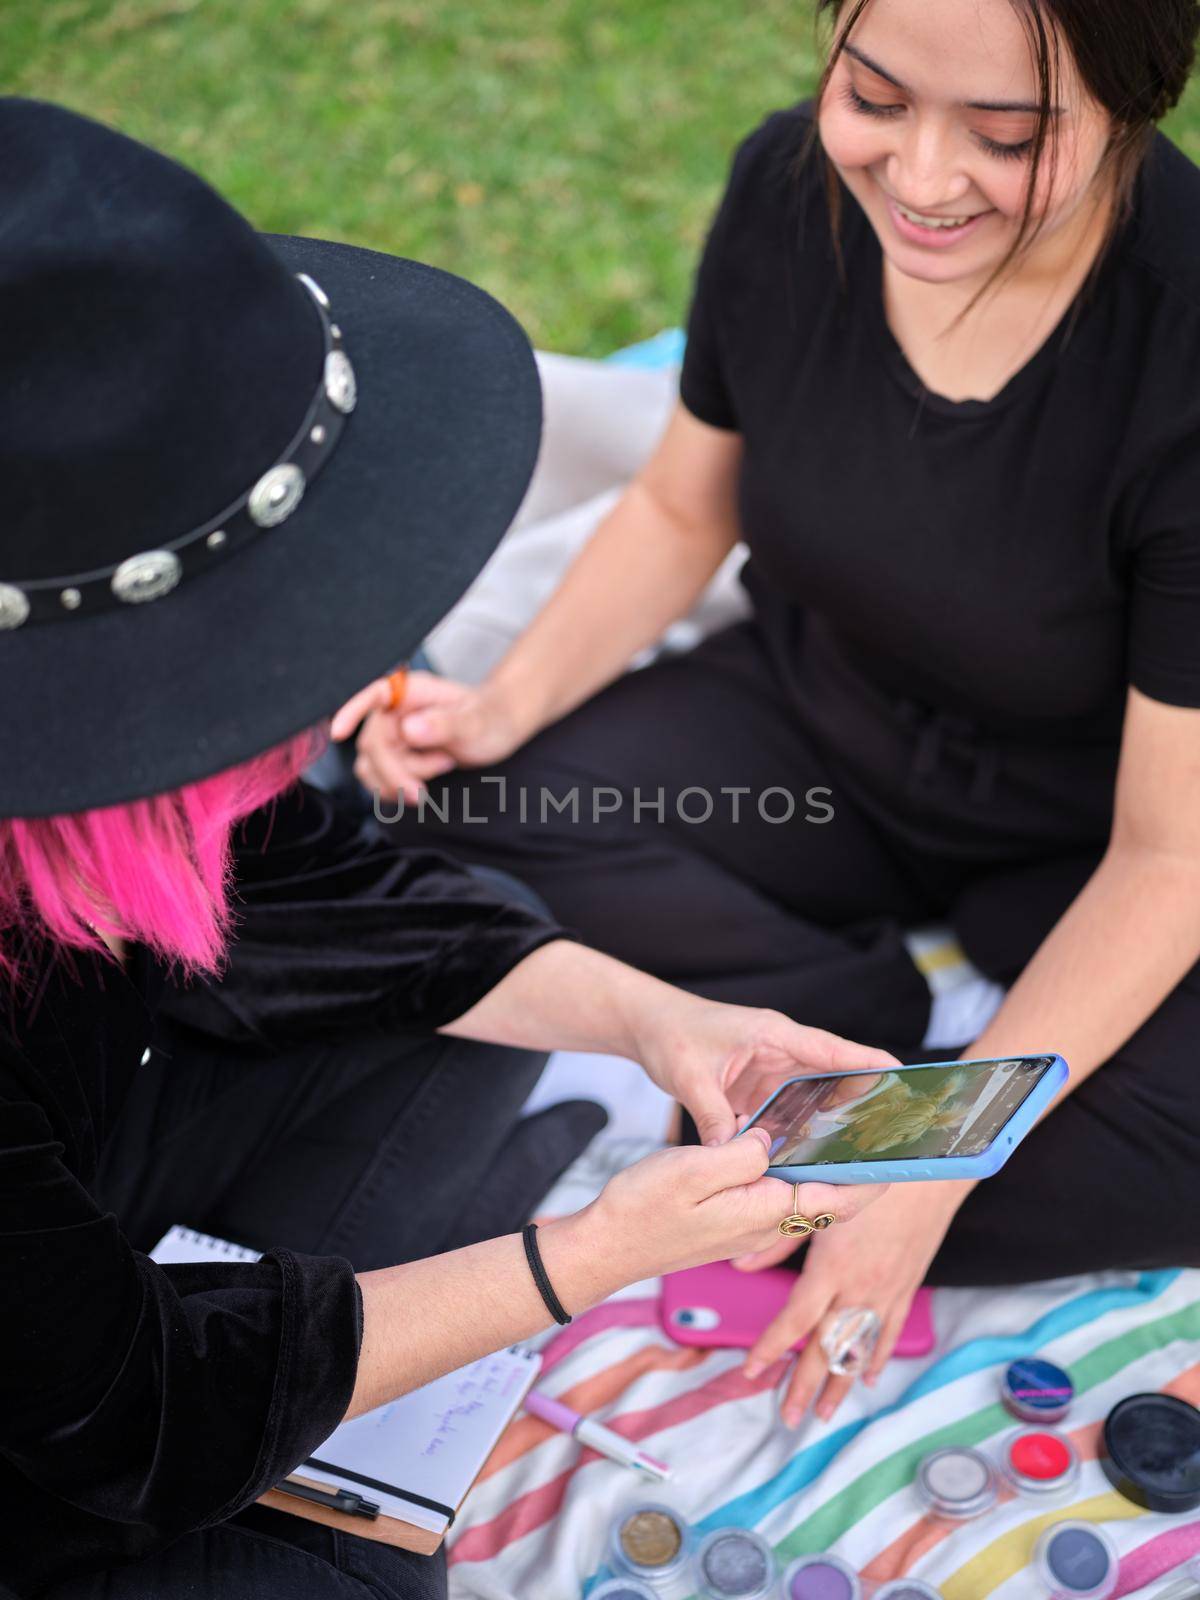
<point x="950" y="1119"/>
<point x="719" y="1307"/>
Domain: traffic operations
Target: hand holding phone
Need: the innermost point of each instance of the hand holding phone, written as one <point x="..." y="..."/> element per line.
<point x="957" y="1119"/>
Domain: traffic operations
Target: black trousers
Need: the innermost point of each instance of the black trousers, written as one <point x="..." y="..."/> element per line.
<point x="806" y="916"/>
<point x="351" y="1147"/>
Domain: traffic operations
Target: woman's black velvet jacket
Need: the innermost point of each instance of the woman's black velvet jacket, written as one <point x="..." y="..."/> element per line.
<point x="138" y="1402"/>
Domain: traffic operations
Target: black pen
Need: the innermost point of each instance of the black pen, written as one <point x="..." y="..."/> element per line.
<point x="336" y="1499"/>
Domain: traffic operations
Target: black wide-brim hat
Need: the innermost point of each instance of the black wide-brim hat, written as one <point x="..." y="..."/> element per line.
<point x="228" y="505"/>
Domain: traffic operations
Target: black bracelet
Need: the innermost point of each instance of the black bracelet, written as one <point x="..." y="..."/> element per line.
<point x="534" y="1257"/>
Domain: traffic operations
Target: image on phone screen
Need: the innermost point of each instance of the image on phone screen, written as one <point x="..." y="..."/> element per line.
<point x="905" y="1114"/>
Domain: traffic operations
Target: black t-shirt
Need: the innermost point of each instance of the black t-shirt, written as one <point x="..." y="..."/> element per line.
<point x="138" y="1402"/>
<point x="1017" y="562"/>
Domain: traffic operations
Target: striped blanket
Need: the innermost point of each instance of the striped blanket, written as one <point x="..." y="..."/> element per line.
<point x="535" y="1526"/>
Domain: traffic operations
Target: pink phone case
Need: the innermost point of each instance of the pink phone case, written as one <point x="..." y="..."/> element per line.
<point x="719" y="1306"/>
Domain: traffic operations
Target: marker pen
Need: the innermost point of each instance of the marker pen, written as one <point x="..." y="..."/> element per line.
<point x="594" y="1434"/>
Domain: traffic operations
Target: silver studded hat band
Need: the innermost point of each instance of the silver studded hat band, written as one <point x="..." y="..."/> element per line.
<point x="150" y="574"/>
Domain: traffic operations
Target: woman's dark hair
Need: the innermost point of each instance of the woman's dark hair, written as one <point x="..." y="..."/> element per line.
<point x="1134" y="57"/>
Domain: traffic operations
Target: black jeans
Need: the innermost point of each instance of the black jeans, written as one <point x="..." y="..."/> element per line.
<point x="267" y="1555"/>
<point x="377" y="1148"/>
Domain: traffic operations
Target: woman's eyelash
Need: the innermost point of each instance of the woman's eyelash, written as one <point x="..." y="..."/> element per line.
<point x="994" y="147"/>
<point x="869" y="108"/>
<point x="1006" y="152"/>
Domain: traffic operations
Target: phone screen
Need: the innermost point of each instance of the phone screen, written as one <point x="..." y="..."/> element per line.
<point x="910" y="1113"/>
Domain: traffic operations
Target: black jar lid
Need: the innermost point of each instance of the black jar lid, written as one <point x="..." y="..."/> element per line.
<point x="1152" y="1452"/>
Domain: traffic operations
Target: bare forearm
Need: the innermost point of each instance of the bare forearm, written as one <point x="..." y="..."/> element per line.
<point x="1121" y="947"/>
<point x="567" y="997"/>
<point x="429" y="1317"/>
<point x="641" y="570"/>
<point x="674" y="1209"/>
<point x="1109" y="962"/>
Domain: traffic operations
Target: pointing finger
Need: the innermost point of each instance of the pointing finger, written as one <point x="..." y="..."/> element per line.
<point x="712" y="1114"/>
<point x="835" y="1391"/>
<point x="375" y="697"/>
<point x="434" y="765"/>
<point x="893" y="1326"/>
<point x="741" y="1160"/>
<point x="804" y="1309"/>
<point x="822" y="1051"/>
<point x="425" y="728"/>
<point x="808" y="1376"/>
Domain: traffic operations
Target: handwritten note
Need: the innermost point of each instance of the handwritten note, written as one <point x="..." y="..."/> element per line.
<point x="432" y="1442"/>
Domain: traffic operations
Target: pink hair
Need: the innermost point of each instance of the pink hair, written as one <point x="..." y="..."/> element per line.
<point x="155" y="871"/>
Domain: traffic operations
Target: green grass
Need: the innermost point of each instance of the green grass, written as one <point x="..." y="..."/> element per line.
<point x="563" y="153"/>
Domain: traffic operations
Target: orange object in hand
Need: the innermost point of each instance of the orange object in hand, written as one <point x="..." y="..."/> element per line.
<point x="397" y="684"/>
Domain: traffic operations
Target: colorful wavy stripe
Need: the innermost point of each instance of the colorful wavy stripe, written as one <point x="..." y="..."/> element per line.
<point x="1142" y="1565"/>
<point x="533" y="1510"/>
<point x="831" y="1521"/>
<point x="748" y="1509"/>
<point x="641" y="1313"/>
<point x="597" y="1390"/>
<point x="1157" y="1557"/>
<point x="1004" y="1557"/>
<point x="865" y="1493"/>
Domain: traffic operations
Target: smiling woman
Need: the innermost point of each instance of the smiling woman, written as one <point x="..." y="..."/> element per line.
<point x="1069" y="95"/>
<point x="967" y="469"/>
<point x="993" y="146"/>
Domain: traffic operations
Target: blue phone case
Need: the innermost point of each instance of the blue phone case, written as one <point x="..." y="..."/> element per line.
<point x="982" y="1165"/>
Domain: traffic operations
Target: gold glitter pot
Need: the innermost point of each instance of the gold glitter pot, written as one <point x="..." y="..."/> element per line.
<point x="650" y="1541"/>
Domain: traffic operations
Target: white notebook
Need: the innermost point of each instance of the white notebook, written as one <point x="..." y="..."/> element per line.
<point x="185" y="1244"/>
<point x="417" y="1456"/>
<point x="430" y="1445"/>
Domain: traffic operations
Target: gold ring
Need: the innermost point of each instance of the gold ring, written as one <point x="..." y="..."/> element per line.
<point x="397" y="684"/>
<point x="798" y="1226"/>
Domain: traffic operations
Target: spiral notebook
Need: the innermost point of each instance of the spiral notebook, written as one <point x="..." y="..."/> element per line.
<point x="416" y="1457"/>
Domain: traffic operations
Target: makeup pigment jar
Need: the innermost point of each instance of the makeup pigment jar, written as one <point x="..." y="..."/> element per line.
<point x="651" y="1542"/>
<point x="1040" y="1462"/>
<point x="958" y="1483"/>
<point x="735" y="1564"/>
<point x="821" y="1578"/>
<point x="1034" y="1390"/>
<point x="1076" y="1561"/>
